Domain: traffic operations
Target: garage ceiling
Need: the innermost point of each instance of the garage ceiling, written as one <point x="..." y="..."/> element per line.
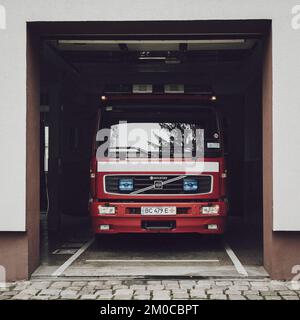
<point x="118" y="60"/>
<point x="155" y="51"/>
<point x="155" y="45"/>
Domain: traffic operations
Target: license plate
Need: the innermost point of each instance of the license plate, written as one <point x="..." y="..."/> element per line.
<point x="157" y="211"/>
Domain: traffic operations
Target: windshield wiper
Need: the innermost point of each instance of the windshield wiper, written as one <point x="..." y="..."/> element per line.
<point x="118" y="149"/>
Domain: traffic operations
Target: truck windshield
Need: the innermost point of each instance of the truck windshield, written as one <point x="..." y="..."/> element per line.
<point x="136" y="133"/>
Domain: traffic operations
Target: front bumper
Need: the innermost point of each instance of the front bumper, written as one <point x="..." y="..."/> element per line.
<point x="188" y="219"/>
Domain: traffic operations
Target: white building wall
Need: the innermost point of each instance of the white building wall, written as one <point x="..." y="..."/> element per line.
<point x="286" y="72"/>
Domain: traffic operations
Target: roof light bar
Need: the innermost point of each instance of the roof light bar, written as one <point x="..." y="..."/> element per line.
<point x="199" y="41"/>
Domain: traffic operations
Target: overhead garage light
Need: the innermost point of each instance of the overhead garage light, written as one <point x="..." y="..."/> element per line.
<point x="174" y="88"/>
<point x="172" y="60"/>
<point x="152" y="58"/>
<point x="142" y="88"/>
<point x="199" y="41"/>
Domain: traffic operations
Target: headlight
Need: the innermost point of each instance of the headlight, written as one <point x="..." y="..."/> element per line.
<point x="126" y="184"/>
<point x="106" y="210"/>
<point x="190" y="185"/>
<point x="211" y="209"/>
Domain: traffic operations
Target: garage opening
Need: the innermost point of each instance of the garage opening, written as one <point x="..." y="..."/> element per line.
<point x="82" y="62"/>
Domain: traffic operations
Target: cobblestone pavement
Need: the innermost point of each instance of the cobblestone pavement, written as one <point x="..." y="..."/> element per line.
<point x="235" y="289"/>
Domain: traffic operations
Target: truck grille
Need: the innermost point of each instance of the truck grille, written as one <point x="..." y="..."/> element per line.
<point x="142" y="181"/>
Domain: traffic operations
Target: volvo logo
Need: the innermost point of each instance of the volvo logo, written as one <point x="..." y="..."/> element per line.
<point x="158" y="185"/>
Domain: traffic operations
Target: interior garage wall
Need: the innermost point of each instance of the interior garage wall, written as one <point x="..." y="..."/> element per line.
<point x="232" y="110"/>
<point x="253" y="193"/>
<point x="33" y="149"/>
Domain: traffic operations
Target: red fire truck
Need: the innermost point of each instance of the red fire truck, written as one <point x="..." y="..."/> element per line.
<point x="137" y="188"/>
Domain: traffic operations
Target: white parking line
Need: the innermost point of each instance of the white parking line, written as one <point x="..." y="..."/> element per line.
<point x="154" y="261"/>
<point x="75" y="256"/>
<point x="235" y="260"/>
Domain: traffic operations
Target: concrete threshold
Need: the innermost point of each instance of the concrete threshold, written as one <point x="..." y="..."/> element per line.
<point x="193" y="272"/>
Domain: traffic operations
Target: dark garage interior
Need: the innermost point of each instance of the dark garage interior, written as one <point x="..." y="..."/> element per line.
<point x="78" y="66"/>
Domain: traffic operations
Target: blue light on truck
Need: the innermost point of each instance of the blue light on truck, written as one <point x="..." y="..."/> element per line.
<point x="126" y="184"/>
<point x="190" y="185"/>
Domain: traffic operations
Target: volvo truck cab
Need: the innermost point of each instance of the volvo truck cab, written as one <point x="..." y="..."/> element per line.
<point x="158" y="165"/>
